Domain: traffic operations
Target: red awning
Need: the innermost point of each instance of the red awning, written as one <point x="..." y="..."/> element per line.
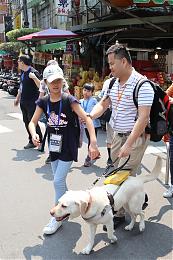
<point x="48" y="34"/>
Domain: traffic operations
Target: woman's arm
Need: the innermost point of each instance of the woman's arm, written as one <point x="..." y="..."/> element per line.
<point x="169" y="91"/>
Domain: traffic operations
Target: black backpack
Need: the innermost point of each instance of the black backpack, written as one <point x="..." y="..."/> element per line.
<point x="161" y="114"/>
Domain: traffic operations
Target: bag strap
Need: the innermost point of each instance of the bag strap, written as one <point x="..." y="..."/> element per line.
<point x="111" y="83"/>
<point x="137" y="88"/>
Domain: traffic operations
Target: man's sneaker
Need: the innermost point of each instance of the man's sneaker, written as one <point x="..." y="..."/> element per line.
<point x="87" y="162"/>
<point x="48" y="160"/>
<point x="168" y="193"/>
<point x="29" y="146"/>
<point x="52" y="226"/>
<point x="117" y="222"/>
<point x="109" y="162"/>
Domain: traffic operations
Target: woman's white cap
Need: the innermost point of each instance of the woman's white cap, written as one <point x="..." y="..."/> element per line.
<point x="52" y="72"/>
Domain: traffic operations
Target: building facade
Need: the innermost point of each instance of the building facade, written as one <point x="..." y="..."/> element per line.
<point x="3" y="12"/>
<point x="49" y="13"/>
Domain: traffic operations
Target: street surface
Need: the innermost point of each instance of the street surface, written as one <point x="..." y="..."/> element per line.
<point x="27" y="195"/>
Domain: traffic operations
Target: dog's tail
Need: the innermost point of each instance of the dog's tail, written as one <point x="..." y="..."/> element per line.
<point x="155" y="172"/>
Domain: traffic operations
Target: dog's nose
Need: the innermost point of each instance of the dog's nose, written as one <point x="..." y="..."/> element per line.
<point x="52" y="212"/>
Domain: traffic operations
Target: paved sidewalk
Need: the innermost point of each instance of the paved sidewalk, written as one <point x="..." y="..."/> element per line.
<point x="27" y="195"/>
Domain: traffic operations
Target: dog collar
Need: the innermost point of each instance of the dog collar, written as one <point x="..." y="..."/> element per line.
<point x="105" y="210"/>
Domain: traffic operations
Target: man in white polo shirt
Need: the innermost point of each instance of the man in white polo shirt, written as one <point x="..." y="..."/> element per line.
<point x="127" y="122"/>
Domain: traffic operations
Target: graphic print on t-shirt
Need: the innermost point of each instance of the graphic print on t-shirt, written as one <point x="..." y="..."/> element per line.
<point x="53" y="120"/>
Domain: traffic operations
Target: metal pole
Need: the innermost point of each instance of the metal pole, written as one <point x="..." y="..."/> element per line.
<point x="25" y="14"/>
<point x="167" y="164"/>
<point x="103" y="65"/>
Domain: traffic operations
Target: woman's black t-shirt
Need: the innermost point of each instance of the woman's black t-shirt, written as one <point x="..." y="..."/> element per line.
<point x="67" y="125"/>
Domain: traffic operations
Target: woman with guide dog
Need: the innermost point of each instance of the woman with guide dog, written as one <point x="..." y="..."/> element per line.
<point x="63" y="143"/>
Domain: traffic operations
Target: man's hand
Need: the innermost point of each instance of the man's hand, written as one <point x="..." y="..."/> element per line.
<point x="124" y="151"/>
<point x="32" y="75"/>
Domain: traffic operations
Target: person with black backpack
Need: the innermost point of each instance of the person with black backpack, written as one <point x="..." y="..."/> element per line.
<point x="169" y="192"/>
<point x="127" y="121"/>
<point x="62" y="111"/>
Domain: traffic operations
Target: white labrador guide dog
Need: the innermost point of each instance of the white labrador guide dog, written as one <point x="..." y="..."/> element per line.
<point x="94" y="205"/>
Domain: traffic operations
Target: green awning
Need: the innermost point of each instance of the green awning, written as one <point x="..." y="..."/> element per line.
<point x="2" y="52"/>
<point x="52" y="46"/>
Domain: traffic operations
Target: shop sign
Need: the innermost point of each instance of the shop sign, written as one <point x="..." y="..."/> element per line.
<point x="69" y="46"/>
<point x="157" y="2"/>
<point x="17" y="20"/>
<point x="3" y="8"/>
<point x="63" y="7"/>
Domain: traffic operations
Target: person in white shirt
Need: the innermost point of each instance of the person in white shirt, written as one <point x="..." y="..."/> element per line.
<point x="109" y="130"/>
<point x="127" y="121"/>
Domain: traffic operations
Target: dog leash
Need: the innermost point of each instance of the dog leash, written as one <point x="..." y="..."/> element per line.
<point x="107" y="173"/>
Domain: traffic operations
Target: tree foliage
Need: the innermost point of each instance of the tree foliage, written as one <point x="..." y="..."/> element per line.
<point x="12" y="46"/>
<point x="14" y="34"/>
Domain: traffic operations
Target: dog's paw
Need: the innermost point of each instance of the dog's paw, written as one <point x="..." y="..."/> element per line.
<point x="113" y="239"/>
<point x="86" y="250"/>
<point x="141" y="227"/>
<point x="128" y="228"/>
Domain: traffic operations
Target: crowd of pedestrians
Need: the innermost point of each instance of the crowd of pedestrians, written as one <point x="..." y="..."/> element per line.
<point x="125" y="130"/>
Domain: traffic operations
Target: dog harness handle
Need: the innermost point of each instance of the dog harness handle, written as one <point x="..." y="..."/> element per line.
<point x="106" y="174"/>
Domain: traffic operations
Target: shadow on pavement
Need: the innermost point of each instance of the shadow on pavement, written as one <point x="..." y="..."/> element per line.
<point x="161" y="213"/>
<point x="154" y="242"/>
<point x="26" y="155"/>
<point x="57" y="246"/>
<point x="89" y="170"/>
<point x="45" y="171"/>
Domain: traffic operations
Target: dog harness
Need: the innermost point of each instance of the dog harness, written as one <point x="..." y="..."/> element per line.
<point x="105" y="210"/>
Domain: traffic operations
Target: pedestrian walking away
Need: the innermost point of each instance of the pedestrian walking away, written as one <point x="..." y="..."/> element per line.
<point x="169" y="192"/>
<point x="109" y="130"/>
<point x="28" y="94"/>
<point x="127" y="121"/>
<point x="64" y="136"/>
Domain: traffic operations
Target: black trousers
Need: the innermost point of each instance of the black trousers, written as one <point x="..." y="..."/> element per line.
<point x="28" y="110"/>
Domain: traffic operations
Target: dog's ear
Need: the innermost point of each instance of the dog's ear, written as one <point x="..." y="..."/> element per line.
<point x="82" y="206"/>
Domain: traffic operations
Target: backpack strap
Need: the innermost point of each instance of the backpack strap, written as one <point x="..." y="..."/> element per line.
<point x="111" y="83"/>
<point x="137" y="88"/>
